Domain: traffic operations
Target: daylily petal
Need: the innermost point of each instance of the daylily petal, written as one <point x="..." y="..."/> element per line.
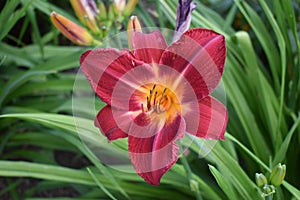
<point x="105" y="67"/>
<point x="200" y="56"/>
<point x="106" y="122"/>
<point x="149" y="47"/>
<point x="212" y="119"/>
<point x="130" y="91"/>
<point x="153" y="156"/>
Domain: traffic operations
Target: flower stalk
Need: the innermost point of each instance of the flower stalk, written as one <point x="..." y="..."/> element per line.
<point x="193" y="183"/>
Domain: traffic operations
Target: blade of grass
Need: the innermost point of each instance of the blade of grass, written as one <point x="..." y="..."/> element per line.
<point x="288" y="186"/>
<point x="264" y="37"/>
<point x="281" y="154"/>
<point x="282" y="50"/>
<point x="63" y="174"/>
<point x="231" y="169"/>
<point x="291" y="19"/>
<point x="35" y="29"/>
<point x="246" y="116"/>
<point x="223" y="183"/>
<point x="13" y="190"/>
<point x="10" y="16"/>
<point x="22" y="78"/>
<point x="261" y="87"/>
<point x="101" y="186"/>
<point x="10" y="187"/>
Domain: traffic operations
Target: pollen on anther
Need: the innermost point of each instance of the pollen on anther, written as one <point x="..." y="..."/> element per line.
<point x="154" y="86"/>
<point x="155" y="97"/>
<point x="164" y="91"/>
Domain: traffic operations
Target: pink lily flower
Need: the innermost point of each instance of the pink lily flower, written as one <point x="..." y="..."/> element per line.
<point x="156" y="93"/>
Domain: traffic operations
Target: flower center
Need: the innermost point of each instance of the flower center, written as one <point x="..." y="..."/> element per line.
<point x="160" y="99"/>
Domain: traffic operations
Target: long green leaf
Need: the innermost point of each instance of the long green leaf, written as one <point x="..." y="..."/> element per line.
<point x="223" y="183"/>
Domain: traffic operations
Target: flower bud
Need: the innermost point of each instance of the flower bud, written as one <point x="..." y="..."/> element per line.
<point x="102" y="11"/>
<point x="277" y="175"/>
<point x="120" y="5"/>
<point x="260" y="179"/>
<point x="133" y="26"/>
<point x="86" y="11"/>
<point x="268" y="190"/>
<point x="129" y="7"/>
<point x="71" y="30"/>
<point x="183" y="17"/>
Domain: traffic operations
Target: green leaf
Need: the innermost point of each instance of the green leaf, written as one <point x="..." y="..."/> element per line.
<point x="101" y="186"/>
<point x="232" y="171"/>
<point x="281" y="154"/>
<point x="263" y="35"/>
<point x="10" y="16"/>
<point x="223" y="183"/>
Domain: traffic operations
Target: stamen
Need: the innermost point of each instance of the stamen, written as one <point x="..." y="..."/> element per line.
<point x="164" y="91"/>
<point x="154" y="97"/>
<point x="154" y="86"/>
<point x="142" y="106"/>
<point x="157" y="101"/>
<point x="148" y="103"/>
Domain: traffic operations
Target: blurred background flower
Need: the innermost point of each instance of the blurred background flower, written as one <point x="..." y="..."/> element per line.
<point x="97" y="20"/>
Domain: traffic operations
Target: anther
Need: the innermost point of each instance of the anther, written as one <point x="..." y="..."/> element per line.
<point x="148" y="103"/>
<point x="154" y="86"/>
<point x="155" y="97"/>
<point x="164" y="92"/>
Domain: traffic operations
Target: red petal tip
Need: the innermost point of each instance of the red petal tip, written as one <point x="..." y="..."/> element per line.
<point x="84" y="55"/>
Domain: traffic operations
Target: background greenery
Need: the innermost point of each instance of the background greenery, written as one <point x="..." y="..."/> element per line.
<point x="42" y="156"/>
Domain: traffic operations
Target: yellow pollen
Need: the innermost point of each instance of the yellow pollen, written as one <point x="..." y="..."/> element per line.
<point x="159" y="100"/>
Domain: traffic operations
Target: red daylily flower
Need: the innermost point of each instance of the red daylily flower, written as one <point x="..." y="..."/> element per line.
<point x="157" y="93"/>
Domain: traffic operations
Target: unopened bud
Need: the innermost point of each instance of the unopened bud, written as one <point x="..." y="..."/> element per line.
<point x="71" y="30"/>
<point x="129" y="7"/>
<point x="86" y="11"/>
<point x="102" y="10"/>
<point x="120" y="5"/>
<point x="277" y="175"/>
<point x="268" y="190"/>
<point x="260" y="179"/>
<point x="133" y="26"/>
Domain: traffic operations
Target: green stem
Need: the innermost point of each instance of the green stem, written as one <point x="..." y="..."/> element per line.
<point x="97" y="42"/>
<point x="269" y="197"/>
<point x="189" y="172"/>
<point x="252" y="155"/>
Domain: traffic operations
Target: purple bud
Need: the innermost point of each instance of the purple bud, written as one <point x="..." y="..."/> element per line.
<point x="183" y="19"/>
<point x="91" y="6"/>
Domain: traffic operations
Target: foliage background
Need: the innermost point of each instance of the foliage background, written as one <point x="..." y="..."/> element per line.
<point x="42" y="156"/>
